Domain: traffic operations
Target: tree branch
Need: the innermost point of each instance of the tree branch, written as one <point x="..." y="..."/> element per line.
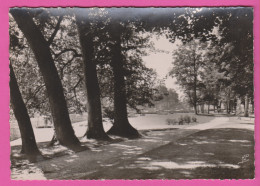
<point x="77" y="84"/>
<point x="34" y="94"/>
<point x="76" y="54"/>
<point x="55" y="31"/>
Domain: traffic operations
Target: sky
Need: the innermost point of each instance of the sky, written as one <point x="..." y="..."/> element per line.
<point x="161" y="62"/>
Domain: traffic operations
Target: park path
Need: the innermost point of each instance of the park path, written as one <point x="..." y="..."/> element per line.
<point x="221" y="149"/>
<point x="93" y="162"/>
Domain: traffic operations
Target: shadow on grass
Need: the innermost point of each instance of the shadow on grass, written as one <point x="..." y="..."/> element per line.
<point x="209" y="154"/>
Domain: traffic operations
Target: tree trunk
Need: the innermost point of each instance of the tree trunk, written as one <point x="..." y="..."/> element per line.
<point x="208" y="107"/>
<point x="239" y="108"/>
<point x="64" y="131"/>
<point x="95" y="125"/>
<point x="29" y="146"/>
<point x="246" y="114"/>
<point x="220" y="106"/>
<point x="227" y="107"/>
<point x="195" y="84"/>
<point x="202" y="108"/>
<point x="235" y="106"/>
<point x="231" y="105"/>
<point x="195" y="109"/>
<point x="121" y="126"/>
<point x="253" y="107"/>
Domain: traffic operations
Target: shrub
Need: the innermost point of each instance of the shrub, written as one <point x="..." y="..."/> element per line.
<point x="171" y="121"/>
<point x="187" y="119"/>
<point x="194" y="119"/>
<point x="181" y="120"/>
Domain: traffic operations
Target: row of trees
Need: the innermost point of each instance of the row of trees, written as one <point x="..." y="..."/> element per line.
<point x="45" y="55"/>
<point x="219" y="70"/>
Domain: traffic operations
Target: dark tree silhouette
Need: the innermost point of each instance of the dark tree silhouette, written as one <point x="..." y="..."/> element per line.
<point x="121" y="126"/>
<point x="63" y="128"/>
<point x="29" y="146"/>
<point x="95" y="126"/>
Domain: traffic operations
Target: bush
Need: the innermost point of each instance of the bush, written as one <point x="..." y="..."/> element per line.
<point x="194" y="119"/>
<point x="187" y="119"/>
<point x="171" y="121"/>
<point x="181" y="120"/>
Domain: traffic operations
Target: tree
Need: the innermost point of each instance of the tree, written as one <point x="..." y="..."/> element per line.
<point x="29" y="146"/>
<point x="242" y="65"/>
<point x="121" y="126"/>
<point x="95" y="125"/>
<point x="222" y="27"/>
<point x="63" y="128"/>
<point x="139" y="80"/>
<point x="188" y="63"/>
<point x="215" y="78"/>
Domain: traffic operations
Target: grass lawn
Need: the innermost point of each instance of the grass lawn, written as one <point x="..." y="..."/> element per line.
<point x="159" y="121"/>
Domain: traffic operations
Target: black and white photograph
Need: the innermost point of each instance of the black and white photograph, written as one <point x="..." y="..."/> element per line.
<point x="161" y="93"/>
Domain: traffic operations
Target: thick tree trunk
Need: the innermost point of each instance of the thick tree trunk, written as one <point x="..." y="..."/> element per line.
<point x="121" y="126"/>
<point x="64" y="131"/>
<point x="29" y="146"/>
<point x="246" y="114"/>
<point x="208" y="107"/>
<point x="95" y="125"/>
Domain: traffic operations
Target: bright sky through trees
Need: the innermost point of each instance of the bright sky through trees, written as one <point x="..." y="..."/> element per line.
<point x="161" y="62"/>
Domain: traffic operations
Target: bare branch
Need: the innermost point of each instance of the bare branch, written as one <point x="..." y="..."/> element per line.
<point x="77" y="84"/>
<point x="76" y="54"/>
<point x="34" y="93"/>
<point x="55" y="31"/>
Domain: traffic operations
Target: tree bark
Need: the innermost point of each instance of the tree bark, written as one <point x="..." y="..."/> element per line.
<point x="29" y="146"/>
<point x="121" y="126"/>
<point x="95" y="125"/>
<point x="64" y="131"/>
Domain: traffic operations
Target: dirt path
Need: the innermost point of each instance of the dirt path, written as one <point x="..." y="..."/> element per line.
<point x="156" y="155"/>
